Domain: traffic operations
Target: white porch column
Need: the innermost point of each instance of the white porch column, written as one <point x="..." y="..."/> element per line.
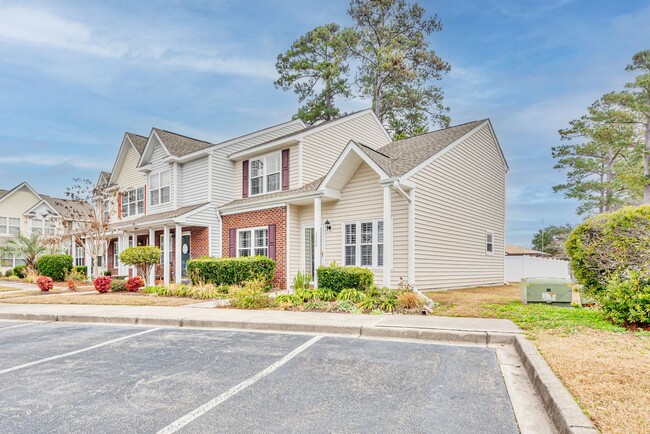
<point x="411" y="238"/>
<point x="388" y="236"/>
<point x="152" y="270"/>
<point x="166" y="268"/>
<point x="88" y="260"/>
<point x="317" y="235"/>
<point x="120" y="248"/>
<point x="178" y="240"/>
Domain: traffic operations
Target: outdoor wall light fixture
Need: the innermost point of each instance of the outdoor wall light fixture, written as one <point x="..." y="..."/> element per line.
<point x="328" y="225"/>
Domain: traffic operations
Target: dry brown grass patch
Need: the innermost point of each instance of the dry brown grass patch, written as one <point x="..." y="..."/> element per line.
<point x="469" y="302"/>
<point x="609" y="372"/>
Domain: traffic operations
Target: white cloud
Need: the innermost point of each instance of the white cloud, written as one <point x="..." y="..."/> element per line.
<point x="45" y="160"/>
<point x="40" y="28"/>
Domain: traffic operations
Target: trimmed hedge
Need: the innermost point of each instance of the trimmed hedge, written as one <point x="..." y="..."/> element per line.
<point x="19" y="271"/>
<point x="9" y="273"/>
<point x="81" y="269"/>
<point x="627" y="299"/>
<point x="118" y="285"/>
<point x="338" y="278"/>
<point x="55" y="266"/>
<point x="231" y="271"/>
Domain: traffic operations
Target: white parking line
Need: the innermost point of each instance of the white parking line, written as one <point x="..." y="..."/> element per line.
<point x="180" y="423"/>
<point x="21" y="325"/>
<point x="71" y="353"/>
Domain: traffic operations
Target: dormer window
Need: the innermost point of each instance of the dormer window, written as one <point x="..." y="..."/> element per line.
<point x="160" y="187"/>
<point x="265" y="174"/>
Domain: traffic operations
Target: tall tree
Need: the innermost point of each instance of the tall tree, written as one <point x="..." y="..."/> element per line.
<point x="397" y="65"/>
<point x="551" y="239"/>
<point x="637" y="100"/>
<point x="602" y="160"/>
<point x="316" y="68"/>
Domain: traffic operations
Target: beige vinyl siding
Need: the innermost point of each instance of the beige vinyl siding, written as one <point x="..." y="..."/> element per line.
<point x="194" y="182"/>
<point x="129" y="177"/>
<point x="15" y="205"/>
<point x="293" y="170"/>
<point x="321" y="149"/>
<point x="362" y="199"/>
<point x="459" y="198"/>
<point x="226" y="179"/>
<point x="157" y="165"/>
<point x="208" y="218"/>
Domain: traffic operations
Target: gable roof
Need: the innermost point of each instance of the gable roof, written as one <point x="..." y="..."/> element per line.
<point x="312" y="186"/>
<point x="399" y="157"/>
<point x="138" y="141"/>
<point x="18" y="187"/>
<point x="179" y="145"/>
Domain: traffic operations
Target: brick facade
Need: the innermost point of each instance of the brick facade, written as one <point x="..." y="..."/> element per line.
<point x="252" y="219"/>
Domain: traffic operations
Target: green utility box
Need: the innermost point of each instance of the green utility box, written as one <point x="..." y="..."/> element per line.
<point x="546" y="290"/>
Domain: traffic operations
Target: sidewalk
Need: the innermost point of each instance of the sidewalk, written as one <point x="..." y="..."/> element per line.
<point x="468" y="330"/>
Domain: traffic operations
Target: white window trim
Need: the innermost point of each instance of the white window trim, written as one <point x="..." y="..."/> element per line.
<point x="6" y="226"/>
<point x="252" y="231"/>
<point x="487" y="234"/>
<point x="375" y="242"/>
<point x="158" y="191"/>
<point x="125" y="194"/>
<point x="265" y="174"/>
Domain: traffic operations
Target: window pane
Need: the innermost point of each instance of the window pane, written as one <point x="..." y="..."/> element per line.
<point x="245" y="239"/>
<point x="141" y="207"/>
<point x="131" y="196"/>
<point x="380" y="232"/>
<point x="380" y="254"/>
<point x="125" y="209"/>
<point x="256" y="185"/>
<point x="350" y="255"/>
<point x="366" y="233"/>
<point x="261" y="237"/>
<point x="257" y="168"/>
<point x="244" y="252"/>
<point x="140" y="194"/>
<point x="261" y="252"/>
<point x="273" y="164"/>
<point x="273" y="182"/>
<point x="155" y="184"/>
<point x="14" y="226"/>
<point x="366" y="255"/>
<point x="155" y="197"/>
<point x="164" y="178"/>
<point x="164" y="195"/>
<point x="132" y="209"/>
<point x="3" y="225"/>
<point x="351" y="234"/>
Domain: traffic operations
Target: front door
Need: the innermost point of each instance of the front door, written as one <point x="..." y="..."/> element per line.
<point x="185" y="254"/>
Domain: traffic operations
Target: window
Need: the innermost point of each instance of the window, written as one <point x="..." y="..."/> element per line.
<point x="171" y="248"/>
<point x="361" y="241"/>
<point x="160" y="192"/>
<point x="37" y="226"/>
<point x="351" y="244"/>
<point x="133" y="202"/>
<point x="489" y="243"/>
<point x="79" y="256"/>
<point x="3" y="225"/>
<point x="50" y="228"/>
<point x="366" y="244"/>
<point x="254" y="241"/>
<point x="14" y="226"/>
<point x="380" y="243"/>
<point x="265" y="174"/>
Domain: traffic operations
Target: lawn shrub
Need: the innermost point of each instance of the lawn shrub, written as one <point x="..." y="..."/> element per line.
<point x="338" y="278"/>
<point x="142" y="257"/>
<point x="301" y="281"/>
<point x="133" y="284"/>
<point x="202" y="292"/>
<point x="55" y="266"/>
<point x="627" y="299"/>
<point x="409" y="300"/>
<point x="103" y="284"/>
<point x="81" y="269"/>
<point x="351" y="294"/>
<point x="609" y="246"/>
<point x="232" y="271"/>
<point x="118" y="285"/>
<point x="251" y="295"/>
<point x="20" y="271"/>
<point x="9" y="273"/>
<point x="45" y="283"/>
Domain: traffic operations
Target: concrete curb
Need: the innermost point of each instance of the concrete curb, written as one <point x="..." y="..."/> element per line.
<point x="564" y="412"/>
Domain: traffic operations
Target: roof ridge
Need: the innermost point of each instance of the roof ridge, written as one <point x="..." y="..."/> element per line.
<point x="442" y="129"/>
<point x="136" y="134"/>
<point x="183" y="135"/>
<point x="374" y="150"/>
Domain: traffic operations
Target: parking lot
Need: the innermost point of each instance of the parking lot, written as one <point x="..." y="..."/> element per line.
<point x="57" y="377"/>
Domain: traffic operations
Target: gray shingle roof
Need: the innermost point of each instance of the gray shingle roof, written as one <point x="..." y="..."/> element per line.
<point x="312" y="186"/>
<point x="3" y="192"/>
<point x="179" y="145"/>
<point x="69" y="209"/>
<point x="138" y="141"/>
<point x="397" y="158"/>
<point x="161" y="215"/>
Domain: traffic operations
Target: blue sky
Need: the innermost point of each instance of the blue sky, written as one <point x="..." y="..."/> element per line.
<point x="74" y="76"/>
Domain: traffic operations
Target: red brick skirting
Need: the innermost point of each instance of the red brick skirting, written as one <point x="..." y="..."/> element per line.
<point x="253" y="219"/>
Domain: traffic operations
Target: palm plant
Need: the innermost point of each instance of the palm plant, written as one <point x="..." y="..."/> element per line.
<point x="27" y="248"/>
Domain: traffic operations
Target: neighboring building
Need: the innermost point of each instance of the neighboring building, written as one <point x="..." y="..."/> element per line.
<point x="24" y="211"/>
<point x="513" y="250"/>
<point x="429" y="209"/>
